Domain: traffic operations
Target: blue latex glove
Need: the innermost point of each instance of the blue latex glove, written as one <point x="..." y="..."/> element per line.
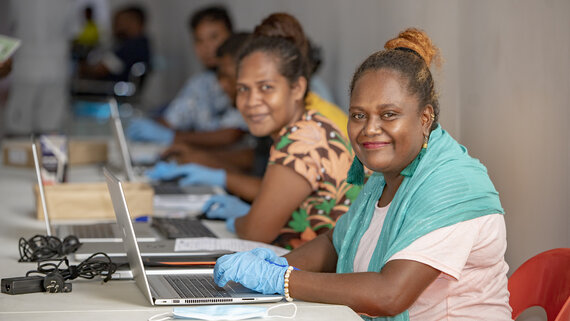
<point x="225" y="207"/>
<point x="192" y="174"/>
<point x="253" y="269"/>
<point x="146" y="130"/>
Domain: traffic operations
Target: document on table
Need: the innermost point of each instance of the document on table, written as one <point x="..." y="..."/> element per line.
<point x="216" y="244"/>
<point x="7" y="47"/>
<point x="182" y="202"/>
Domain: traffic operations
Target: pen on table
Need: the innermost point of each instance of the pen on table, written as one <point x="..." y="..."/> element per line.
<point x="190" y="263"/>
<point x="143" y="218"/>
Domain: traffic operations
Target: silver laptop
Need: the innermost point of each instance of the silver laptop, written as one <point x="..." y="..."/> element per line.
<point x="160" y="188"/>
<point x="192" y="287"/>
<point x="90" y="231"/>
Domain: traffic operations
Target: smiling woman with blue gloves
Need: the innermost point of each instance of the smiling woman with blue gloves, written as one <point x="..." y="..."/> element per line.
<point x="303" y="191"/>
<point x="426" y="237"/>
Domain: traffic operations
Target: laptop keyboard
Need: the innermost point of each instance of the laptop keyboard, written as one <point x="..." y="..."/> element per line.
<point x="167" y="189"/>
<point x="197" y="286"/>
<point x="103" y="230"/>
<point x="174" y="228"/>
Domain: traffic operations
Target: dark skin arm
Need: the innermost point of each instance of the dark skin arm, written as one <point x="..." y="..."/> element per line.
<point x="244" y="186"/>
<point x="318" y="255"/>
<point x="96" y="71"/>
<point x="387" y="293"/>
<point x="216" y="138"/>
<point x="282" y="191"/>
<point x="234" y="160"/>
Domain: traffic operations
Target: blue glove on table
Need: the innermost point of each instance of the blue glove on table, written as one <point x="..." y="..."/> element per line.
<point x="192" y="174"/>
<point x="253" y="269"/>
<point x="146" y="130"/>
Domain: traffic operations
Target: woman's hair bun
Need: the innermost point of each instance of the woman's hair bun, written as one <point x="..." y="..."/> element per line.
<point x="285" y="26"/>
<point x="418" y="41"/>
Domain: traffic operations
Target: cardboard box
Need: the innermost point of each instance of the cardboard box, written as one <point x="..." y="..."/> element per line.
<point x="17" y="153"/>
<point x="81" y="152"/>
<point x="75" y="201"/>
<point x="87" y="151"/>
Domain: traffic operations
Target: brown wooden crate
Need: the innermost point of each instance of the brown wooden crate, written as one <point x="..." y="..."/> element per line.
<point x="87" y="151"/>
<point x="73" y="201"/>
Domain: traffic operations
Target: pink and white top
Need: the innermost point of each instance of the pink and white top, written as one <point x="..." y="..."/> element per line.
<point x="470" y="255"/>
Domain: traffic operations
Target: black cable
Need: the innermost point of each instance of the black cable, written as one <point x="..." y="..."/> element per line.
<point x="41" y="247"/>
<point x="97" y="264"/>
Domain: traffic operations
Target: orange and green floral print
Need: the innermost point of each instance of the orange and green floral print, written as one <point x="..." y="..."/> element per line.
<point x="315" y="148"/>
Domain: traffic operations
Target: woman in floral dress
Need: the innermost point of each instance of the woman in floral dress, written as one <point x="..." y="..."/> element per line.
<point x="303" y="191"/>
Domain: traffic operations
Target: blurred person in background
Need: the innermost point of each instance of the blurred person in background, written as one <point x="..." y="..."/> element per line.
<point x="88" y="37"/>
<point x="242" y="157"/>
<point x="38" y="97"/>
<point x="201" y="114"/>
<point x="131" y="46"/>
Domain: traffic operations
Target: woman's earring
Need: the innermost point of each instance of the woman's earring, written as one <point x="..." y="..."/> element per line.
<point x="425" y="142"/>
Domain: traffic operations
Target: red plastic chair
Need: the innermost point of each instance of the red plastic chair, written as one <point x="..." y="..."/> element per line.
<point x="543" y="280"/>
<point x="564" y="314"/>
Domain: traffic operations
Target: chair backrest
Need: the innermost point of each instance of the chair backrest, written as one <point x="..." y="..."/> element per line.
<point x="564" y="314"/>
<point x="543" y="280"/>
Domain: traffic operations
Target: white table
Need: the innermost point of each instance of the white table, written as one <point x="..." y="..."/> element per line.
<point x="90" y="299"/>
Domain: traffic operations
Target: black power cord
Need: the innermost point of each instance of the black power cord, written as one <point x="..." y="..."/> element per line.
<point x="50" y="275"/>
<point x="42" y="247"/>
<point x="97" y="264"/>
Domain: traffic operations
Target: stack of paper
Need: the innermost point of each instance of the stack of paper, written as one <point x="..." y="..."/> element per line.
<point x="229" y="244"/>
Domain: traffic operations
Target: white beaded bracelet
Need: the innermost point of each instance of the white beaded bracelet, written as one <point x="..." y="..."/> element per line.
<point x="286" y="284"/>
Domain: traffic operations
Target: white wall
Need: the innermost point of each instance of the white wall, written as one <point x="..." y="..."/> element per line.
<point x="515" y="94"/>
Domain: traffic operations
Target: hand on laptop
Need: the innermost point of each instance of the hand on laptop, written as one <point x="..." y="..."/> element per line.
<point x="253" y="269"/>
<point x="146" y="130"/>
<point x="226" y="207"/>
<point x="189" y="174"/>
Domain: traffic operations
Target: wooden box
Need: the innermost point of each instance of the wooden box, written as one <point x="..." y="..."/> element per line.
<point x="87" y="151"/>
<point x="76" y="201"/>
<point x="81" y="152"/>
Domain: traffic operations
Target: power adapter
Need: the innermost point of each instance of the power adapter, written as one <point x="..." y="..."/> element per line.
<point x="22" y="285"/>
<point x="31" y="284"/>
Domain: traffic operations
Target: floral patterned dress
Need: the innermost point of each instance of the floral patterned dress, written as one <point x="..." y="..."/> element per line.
<point x="315" y="148"/>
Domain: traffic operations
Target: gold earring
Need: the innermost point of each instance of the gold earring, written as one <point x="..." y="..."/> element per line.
<point x="432" y="116"/>
<point x="425" y="142"/>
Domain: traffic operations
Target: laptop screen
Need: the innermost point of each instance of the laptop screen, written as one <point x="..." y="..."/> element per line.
<point x="49" y="230"/>
<point x="128" y="233"/>
<point x="121" y="140"/>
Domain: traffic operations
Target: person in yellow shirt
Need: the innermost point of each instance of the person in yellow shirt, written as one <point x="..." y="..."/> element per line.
<point x="89" y="35"/>
<point x="331" y="111"/>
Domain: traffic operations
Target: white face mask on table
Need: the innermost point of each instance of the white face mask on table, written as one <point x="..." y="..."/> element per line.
<point x="223" y="312"/>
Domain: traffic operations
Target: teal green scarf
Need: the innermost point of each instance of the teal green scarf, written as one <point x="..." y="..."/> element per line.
<point x="441" y="187"/>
